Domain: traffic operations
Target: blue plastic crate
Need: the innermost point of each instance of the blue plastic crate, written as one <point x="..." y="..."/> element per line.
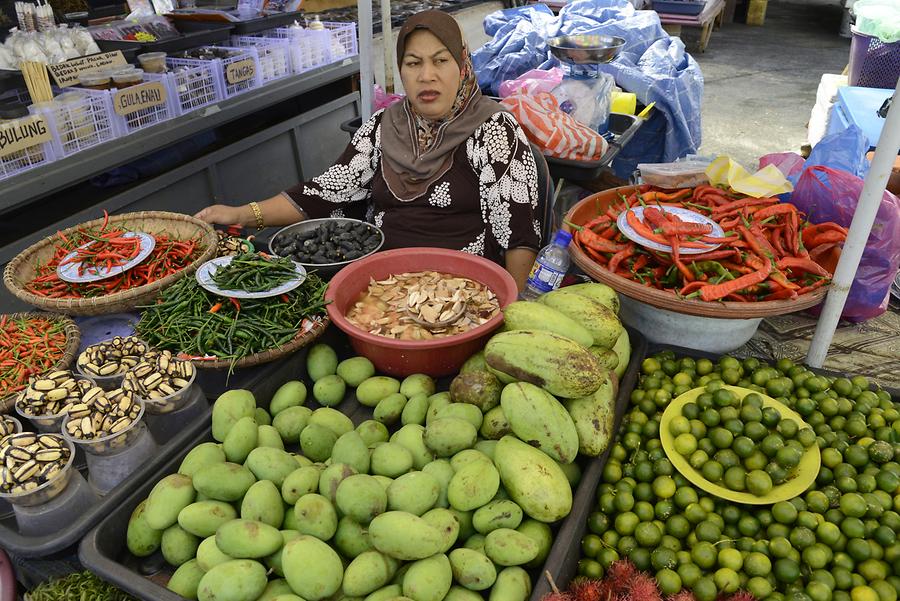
<point x="679" y="7"/>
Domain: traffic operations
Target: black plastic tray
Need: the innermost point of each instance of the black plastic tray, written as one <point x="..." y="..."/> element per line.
<point x="270" y="21"/>
<point x="193" y="35"/>
<point x="40" y="546"/>
<point x="679" y="7"/>
<point x="103" y="549"/>
<point x="621" y="126"/>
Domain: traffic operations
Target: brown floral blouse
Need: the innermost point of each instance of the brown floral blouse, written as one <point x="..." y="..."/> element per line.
<point x="485" y="204"/>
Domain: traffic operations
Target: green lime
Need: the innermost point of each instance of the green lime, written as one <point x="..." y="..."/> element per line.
<point x="843" y="579"/>
<point x="786" y="571"/>
<point x="626" y="523"/>
<point x="678" y="526"/>
<point x="727" y="580"/>
<point x="771" y="444"/>
<point x="823" y="576"/>
<point x="695" y="513"/>
<point x="724" y="398"/>
<point x="590" y="569"/>
<point x="698" y="429"/>
<point x="743" y="446"/>
<point x="853" y="505"/>
<point x="626" y="545"/>
<point x="607" y="557"/>
<point x="864" y="593"/>
<point x="853" y="528"/>
<point x="748" y="526"/>
<point x="591" y="545"/>
<point x="816" y="501"/>
<point x="788" y="457"/>
<point x="807" y="519"/>
<point x="611" y="538"/>
<point x="704" y="555"/>
<point x="756" y="461"/>
<point x="684" y="496"/>
<point x="705" y="590"/>
<point x="755" y="564"/>
<point x="735" y="426"/>
<point x="802" y="538"/>
<point x="818" y="591"/>
<point x="806" y="437"/>
<point x="872" y="569"/>
<point x="710" y="418"/>
<point x="759" y="587"/>
<point x="721" y="438"/>
<point x="669" y="581"/>
<point x="885" y="536"/>
<point x="788" y="428"/>
<point x="783" y="512"/>
<point x="663" y="558"/>
<point x="647" y="534"/>
<point x="704" y="366"/>
<point x="679" y="425"/>
<point x="828" y="533"/>
<point x="759" y="483"/>
<point x="643" y="492"/>
<point x="664" y="487"/>
<point x="731" y="558"/>
<point x="640" y="557"/>
<point x="708" y="531"/>
<point x="598" y="523"/>
<point x="689" y="574"/>
<point x="817" y="556"/>
<point x="775" y="530"/>
<point x="650" y="365"/>
<point x="644" y="511"/>
<point x="685" y="444"/>
<point x="669" y="542"/>
<point x="780" y="547"/>
<point x="662" y="466"/>
<point x="735" y="478"/>
<point x="856" y="455"/>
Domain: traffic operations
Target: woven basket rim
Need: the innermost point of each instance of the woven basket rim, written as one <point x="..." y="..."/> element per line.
<point x="320" y="324"/>
<point x="73" y="341"/>
<point x="118" y="300"/>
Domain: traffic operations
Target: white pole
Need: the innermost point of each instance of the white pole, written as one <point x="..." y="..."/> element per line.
<point x="387" y="39"/>
<point x="863" y="218"/>
<point x="366" y="73"/>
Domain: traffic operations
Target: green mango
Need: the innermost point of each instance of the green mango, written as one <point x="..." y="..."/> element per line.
<point x="384" y="481"/>
<point x="241" y="439"/>
<point x="274" y="561"/>
<point x="472" y="569"/>
<point x="512" y="584"/>
<point x="533" y="480"/>
<point x="473" y="363"/>
<point x="474" y="485"/>
<point x="486" y="447"/>
<point x="351" y="449"/>
<point x="446" y="523"/>
<point x="476" y="543"/>
<point x="351" y="538"/>
<point x="247" y="539"/>
<point x="436" y="402"/>
<point x="458" y="593"/>
<point x="593" y="417"/>
<point x="321" y="361"/>
<point x="375" y="388"/>
<point x="312" y="568"/>
<point x="231" y="406"/>
<point x="507" y="547"/>
<point x="391" y="459"/>
<point x="404" y="536"/>
<point x="316" y="516"/>
<point x="300" y="482"/>
<point x="166" y="500"/>
<point x="263" y="503"/>
<point x="275" y="589"/>
<point x="290" y="518"/>
<point x="268" y="436"/>
<point x="540" y="420"/>
<point x="412" y="438"/>
<point x="332" y="419"/>
<point x="540" y="533"/>
<point x="203" y="454"/>
<point x="607" y="358"/>
<point x="443" y="472"/>
<point x="204" y="517"/>
<point x="331" y="479"/>
<point x="598" y="319"/>
<point x="368" y="572"/>
<point x="361" y="497"/>
<point x="372" y="432"/>
<point x="497" y="514"/>
<point x="414" y="492"/>
<point x="478" y="388"/>
<point x="178" y="546"/>
<point x="603" y="294"/>
<point x="466" y="529"/>
<point x="463" y="411"/>
<point x="385" y="593"/>
<point x="224" y="481"/>
<point x="290" y="423"/>
<point x="289" y="394"/>
<point x="317" y="441"/>
<point x="449" y="435"/>
<point x="428" y="579"/>
<point x="525" y="315"/>
<point x="417" y="384"/>
<point x="390" y="408"/>
<point x="292" y="597"/>
<point x="186" y="579"/>
<point x="572" y="472"/>
<point x="355" y="370"/>
<point x="262" y="417"/>
<point x="209" y="555"/>
<point x="235" y="580"/>
<point x="329" y="390"/>
<point x="502" y="377"/>
<point x="463" y="458"/>
<point x="267" y="463"/>
<point x="141" y="539"/>
<point x="622" y="349"/>
<point x="414" y="410"/>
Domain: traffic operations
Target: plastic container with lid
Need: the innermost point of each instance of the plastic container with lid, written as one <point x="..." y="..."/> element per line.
<point x="153" y="62"/>
<point x="49" y="517"/>
<point x="128" y="78"/>
<point x="680" y="174"/>
<point x="108" y="470"/>
<point x="49" y="489"/>
<point x="94" y="81"/>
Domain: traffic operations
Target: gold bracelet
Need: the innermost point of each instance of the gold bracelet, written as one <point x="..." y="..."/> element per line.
<point x="258" y="214"/>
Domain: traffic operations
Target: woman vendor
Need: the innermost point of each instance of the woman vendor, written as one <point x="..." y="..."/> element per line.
<point x="446" y="167"/>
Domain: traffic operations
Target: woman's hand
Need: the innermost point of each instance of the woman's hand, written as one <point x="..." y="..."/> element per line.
<point x="223" y="215"/>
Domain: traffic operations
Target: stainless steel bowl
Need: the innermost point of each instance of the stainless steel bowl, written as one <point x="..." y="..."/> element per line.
<point x="326" y="270"/>
<point x="586" y="49"/>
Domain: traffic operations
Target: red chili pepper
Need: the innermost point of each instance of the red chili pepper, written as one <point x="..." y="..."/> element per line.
<point x="621" y="256"/>
<point x="717" y="291"/>
<point x="215" y="308"/>
<point x="235" y="302"/>
<point x="811" y="287"/>
<point x="805" y="265"/>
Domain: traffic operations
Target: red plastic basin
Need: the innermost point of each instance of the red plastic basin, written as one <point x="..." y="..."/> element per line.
<point x="438" y="357"/>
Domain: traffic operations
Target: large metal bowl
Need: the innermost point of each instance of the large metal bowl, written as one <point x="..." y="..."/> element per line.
<point x="586" y="49"/>
<point x="326" y="270"/>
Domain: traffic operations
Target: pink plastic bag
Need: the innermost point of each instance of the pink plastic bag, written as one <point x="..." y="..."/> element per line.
<point x="532" y="82"/>
<point x="826" y="194"/>
<point x="383" y="100"/>
<point x="789" y="163"/>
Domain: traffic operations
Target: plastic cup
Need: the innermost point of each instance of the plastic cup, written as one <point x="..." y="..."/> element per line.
<point x="110" y="382"/>
<point x="46" y="491"/>
<point x="128" y="78"/>
<point x="50" y="424"/>
<point x="153" y="62"/>
<point x="110" y="444"/>
<point x="16" y="424"/>
<point x="105" y="472"/>
<point x="94" y="81"/>
<point x="174" y="401"/>
<point x="58" y="512"/>
<point x="165" y="426"/>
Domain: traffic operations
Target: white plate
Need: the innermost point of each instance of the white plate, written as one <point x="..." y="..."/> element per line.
<point x="206" y="271"/>
<point x="685" y="215"/>
<point x="69" y="271"/>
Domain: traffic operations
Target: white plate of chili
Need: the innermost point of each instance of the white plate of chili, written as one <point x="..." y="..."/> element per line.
<point x="91" y="267"/>
<point x="640" y="231"/>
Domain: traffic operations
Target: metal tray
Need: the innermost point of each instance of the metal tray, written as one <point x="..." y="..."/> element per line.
<point x="193" y="34"/>
<point x="103" y="550"/>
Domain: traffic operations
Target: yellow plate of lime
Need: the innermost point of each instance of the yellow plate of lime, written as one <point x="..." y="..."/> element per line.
<point x="802" y="476"/>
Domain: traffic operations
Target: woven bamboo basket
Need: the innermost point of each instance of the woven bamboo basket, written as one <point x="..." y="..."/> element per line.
<point x="21" y="269"/>
<point x="587" y="208"/>
<point x="73" y="340"/>
<point x="303" y="338"/>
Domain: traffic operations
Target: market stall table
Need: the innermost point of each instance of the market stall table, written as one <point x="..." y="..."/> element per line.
<point x="710" y="18"/>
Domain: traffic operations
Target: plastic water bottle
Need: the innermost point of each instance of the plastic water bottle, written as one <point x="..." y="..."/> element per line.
<point x="549" y="268"/>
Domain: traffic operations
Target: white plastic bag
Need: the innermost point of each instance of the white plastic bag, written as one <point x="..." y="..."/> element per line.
<point x="587" y="100"/>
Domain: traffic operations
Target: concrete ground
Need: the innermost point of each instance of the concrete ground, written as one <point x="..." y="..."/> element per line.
<point x="760" y="82"/>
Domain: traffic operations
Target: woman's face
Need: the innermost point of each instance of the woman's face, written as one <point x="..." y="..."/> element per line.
<point x="430" y="75"/>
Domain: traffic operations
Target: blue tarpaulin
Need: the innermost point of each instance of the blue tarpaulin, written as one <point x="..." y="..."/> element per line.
<point x="652" y="65"/>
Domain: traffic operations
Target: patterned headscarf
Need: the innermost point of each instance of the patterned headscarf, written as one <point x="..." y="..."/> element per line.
<point x="417" y="151"/>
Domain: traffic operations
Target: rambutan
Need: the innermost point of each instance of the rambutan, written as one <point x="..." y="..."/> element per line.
<point x="587" y="589"/>
<point x="741" y="596"/>
<point x="683" y="595"/>
<point x="643" y="588"/>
